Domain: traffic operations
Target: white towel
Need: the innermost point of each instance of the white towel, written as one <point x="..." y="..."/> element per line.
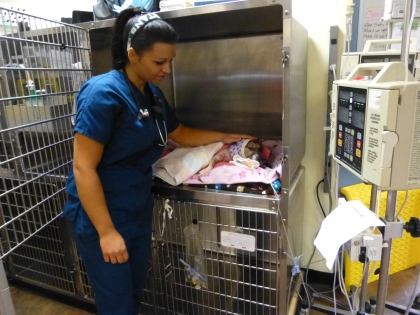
<point x="182" y="163"/>
<point x="244" y="162"/>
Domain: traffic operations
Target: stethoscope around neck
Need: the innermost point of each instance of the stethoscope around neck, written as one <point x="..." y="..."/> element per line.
<point x="156" y="111"/>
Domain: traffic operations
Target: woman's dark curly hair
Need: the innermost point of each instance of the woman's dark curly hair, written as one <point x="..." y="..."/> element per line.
<point x="151" y="33"/>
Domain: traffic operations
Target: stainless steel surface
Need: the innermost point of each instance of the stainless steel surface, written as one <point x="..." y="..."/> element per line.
<point x="229" y="20"/>
<point x="363" y="289"/>
<point x="277" y="229"/>
<point x="294" y="97"/>
<point x="408" y="12"/>
<point x="290" y="235"/>
<point x="332" y="61"/>
<point x="232" y="85"/>
<point x="229" y="73"/>
<point x="373" y="196"/>
<point x="386" y="254"/>
<point x="228" y="7"/>
<point x="239" y="281"/>
<point x="216" y="197"/>
<point x="365" y="277"/>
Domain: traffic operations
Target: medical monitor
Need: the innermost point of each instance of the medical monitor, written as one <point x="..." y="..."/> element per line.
<point x="375" y="125"/>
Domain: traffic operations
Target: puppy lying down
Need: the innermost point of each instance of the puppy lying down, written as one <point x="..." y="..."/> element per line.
<point x="247" y="152"/>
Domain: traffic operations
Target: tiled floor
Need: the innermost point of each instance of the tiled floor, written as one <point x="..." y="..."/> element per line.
<point x="38" y="302"/>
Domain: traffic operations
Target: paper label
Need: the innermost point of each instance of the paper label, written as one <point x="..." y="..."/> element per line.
<point x="342" y="224"/>
<point x="238" y="241"/>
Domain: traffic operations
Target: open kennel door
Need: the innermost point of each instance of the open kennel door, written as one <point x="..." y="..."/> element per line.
<point x="43" y="64"/>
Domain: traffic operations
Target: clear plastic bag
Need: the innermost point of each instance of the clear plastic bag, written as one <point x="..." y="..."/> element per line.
<point x="195" y="262"/>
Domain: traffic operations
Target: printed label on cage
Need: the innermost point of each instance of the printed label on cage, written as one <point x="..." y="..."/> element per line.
<point x="238" y="241"/>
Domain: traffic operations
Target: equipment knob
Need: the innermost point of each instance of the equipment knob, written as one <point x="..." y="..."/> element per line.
<point x="413" y="227"/>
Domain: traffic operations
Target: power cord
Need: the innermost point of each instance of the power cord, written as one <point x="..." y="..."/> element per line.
<point x="317" y="197"/>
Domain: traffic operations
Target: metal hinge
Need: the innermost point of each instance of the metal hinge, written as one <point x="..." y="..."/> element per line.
<point x="284" y="155"/>
<point x="284" y="159"/>
<point x="285" y="58"/>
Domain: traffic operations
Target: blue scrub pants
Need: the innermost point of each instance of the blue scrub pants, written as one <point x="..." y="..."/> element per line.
<point x="117" y="287"/>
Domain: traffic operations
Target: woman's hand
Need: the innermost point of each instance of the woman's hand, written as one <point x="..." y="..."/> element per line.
<point x="229" y="138"/>
<point x="113" y="247"/>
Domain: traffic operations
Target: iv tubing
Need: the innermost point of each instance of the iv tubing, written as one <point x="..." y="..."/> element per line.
<point x="409" y="12"/>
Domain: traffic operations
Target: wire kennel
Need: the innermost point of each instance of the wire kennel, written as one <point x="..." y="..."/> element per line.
<point x="43" y="64"/>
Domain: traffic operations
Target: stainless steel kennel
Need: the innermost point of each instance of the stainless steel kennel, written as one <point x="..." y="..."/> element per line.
<point x="240" y="67"/>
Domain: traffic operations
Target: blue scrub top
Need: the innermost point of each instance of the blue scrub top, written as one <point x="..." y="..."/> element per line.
<point x="107" y="113"/>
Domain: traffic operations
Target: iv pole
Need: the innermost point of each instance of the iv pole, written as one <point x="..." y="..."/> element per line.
<point x="390" y="209"/>
<point x="386" y="254"/>
<point x="365" y="278"/>
<point x="392" y="194"/>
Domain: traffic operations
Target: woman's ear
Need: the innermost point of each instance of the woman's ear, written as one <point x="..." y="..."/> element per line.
<point x="132" y="56"/>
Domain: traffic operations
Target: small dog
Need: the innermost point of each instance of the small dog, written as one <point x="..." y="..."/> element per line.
<point x="246" y="148"/>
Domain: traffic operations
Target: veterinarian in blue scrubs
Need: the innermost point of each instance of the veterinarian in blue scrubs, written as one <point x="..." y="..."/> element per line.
<point x="122" y="125"/>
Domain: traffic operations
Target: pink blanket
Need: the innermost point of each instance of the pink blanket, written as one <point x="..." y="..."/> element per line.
<point x="182" y="165"/>
<point x="227" y="173"/>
